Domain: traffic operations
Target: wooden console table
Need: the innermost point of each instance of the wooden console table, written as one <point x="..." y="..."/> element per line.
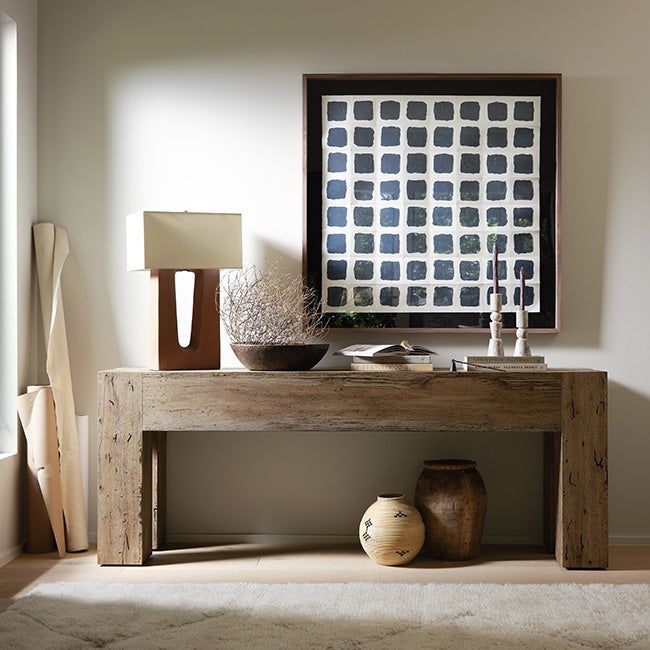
<point x="137" y="407"/>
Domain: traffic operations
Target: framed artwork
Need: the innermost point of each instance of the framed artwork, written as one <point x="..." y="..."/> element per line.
<point x="411" y="180"/>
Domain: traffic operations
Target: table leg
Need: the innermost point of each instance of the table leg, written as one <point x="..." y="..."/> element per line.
<point x="124" y="472"/>
<point x="159" y="487"/>
<point x="551" y="483"/>
<point x="582" y="518"/>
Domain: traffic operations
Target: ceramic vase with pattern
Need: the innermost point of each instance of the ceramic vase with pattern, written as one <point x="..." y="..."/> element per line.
<point x="391" y="530"/>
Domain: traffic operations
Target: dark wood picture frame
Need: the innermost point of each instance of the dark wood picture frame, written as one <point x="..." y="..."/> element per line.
<point x="547" y="86"/>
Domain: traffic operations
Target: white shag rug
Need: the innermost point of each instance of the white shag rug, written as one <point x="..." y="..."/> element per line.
<point x="356" y="615"/>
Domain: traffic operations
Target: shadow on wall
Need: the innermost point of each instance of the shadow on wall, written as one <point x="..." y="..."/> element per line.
<point x="629" y="428"/>
<point x="587" y="116"/>
<point x="320" y="484"/>
<point x="264" y="253"/>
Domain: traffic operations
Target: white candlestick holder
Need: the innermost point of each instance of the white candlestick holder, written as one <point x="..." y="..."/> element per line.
<point x="495" y="348"/>
<point x="522" y="349"/>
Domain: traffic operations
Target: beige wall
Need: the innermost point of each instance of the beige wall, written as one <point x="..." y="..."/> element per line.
<point x="23" y="12"/>
<point x="161" y="104"/>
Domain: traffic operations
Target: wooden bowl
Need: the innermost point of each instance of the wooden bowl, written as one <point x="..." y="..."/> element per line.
<point x="280" y="357"/>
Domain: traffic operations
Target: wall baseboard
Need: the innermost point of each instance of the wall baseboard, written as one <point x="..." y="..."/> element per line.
<point x="215" y="539"/>
<point x="256" y="538"/>
<point x="209" y="539"/>
<point x="629" y="540"/>
<point x="516" y="540"/>
<point x="10" y="554"/>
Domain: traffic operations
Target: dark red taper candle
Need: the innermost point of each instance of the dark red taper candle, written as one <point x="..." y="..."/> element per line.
<point x="495" y="267"/>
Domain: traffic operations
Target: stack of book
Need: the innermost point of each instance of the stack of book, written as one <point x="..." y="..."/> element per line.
<point x="386" y="358"/>
<point x="509" y="364"/>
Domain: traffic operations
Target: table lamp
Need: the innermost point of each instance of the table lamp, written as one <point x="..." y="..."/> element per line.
<point x="167" y="242"/>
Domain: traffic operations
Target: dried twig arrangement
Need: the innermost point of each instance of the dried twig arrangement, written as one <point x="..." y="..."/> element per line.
<point x="271" y="308"/>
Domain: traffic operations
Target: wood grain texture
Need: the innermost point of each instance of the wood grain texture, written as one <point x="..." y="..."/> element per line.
<point x="158" y="487"/>
<point x="582" y="517"/>
<point x="452" y="500"/>
<point x="124" y="472"/>
<point x="203" y="351"/>
<point x="349" y="401"/>
<point x="313" y="563"/>
<point x="569" y="406"/>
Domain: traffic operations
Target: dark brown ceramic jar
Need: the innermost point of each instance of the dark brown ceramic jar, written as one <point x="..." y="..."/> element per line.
<point x="451" y="497"/>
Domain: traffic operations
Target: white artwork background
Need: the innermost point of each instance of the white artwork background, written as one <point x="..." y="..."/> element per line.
<point x="342" y="290"/>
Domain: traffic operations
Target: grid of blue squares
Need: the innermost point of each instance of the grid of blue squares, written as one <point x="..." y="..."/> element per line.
<point x="418" y="190"/>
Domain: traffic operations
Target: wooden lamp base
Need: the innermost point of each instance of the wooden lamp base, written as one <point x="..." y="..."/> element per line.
<point x="203" y="351"/>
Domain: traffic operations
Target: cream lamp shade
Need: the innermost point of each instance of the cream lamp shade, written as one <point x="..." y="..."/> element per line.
<point x="198" y="242"/>
<point x="183" y="240"/>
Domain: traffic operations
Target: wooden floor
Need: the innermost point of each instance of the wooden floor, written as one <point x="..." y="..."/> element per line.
<point x="268" y="563"/>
